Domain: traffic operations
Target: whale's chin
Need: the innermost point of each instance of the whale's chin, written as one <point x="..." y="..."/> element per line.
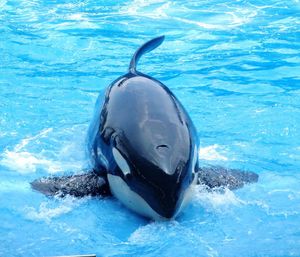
<point x="136" y="203"/>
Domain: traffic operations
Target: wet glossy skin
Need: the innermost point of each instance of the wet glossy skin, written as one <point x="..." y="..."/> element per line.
<point x="150" y="128"/>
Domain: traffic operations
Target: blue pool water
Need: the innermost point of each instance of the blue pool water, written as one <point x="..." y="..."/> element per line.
<point x="235" y="65"/>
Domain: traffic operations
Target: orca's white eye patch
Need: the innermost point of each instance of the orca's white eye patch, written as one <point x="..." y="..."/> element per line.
<point x="195" y="157"/>
<point x="194" y="162"/>
<point x="121" y="162"/>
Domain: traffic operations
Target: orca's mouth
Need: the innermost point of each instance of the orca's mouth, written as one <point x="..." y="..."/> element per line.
<point x="165" y="193"/>
<point x="165" y="204"/>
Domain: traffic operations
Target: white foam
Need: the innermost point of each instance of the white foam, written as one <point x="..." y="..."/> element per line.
<point x="216" y="199"/>
<point x="80" y="24"/>
<point x="271" y="210"/>
<point x="151" y="232"/>
<point x="139" y="236"/>
<point x="139" y="7"/>
<point x="27" y="140"/>
<point x="200" y="24"/>
<point x="241" y="16"/>
<point x="3" y="4"/>
<point x="23" y="160"/>
<point x="46" y="212"/>
<point x="156" y="9"/>
<point x="211" y="153"/>
<point x="75" y="16"/>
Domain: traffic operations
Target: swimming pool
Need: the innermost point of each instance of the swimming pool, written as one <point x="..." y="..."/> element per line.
<point x="235" y="66"/>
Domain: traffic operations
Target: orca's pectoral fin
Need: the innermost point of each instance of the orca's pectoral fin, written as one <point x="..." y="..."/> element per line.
<point x="75" y="185"/>
<point x="216" y="176"/>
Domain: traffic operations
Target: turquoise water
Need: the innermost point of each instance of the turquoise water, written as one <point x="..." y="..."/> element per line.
<point x="235" y="66"/>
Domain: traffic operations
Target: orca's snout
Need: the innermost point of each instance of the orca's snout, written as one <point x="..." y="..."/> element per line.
<point x="169" y="206"/>
<point x="173" y="186"/>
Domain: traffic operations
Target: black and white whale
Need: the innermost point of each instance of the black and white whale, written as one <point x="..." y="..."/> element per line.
<point x="143" y="148"/>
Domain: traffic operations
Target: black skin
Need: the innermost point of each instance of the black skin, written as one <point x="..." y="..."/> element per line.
<point x="146" y="123"/>
<point x="154" y="134"/>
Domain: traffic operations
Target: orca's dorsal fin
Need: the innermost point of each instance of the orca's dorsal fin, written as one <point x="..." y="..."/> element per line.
<point x="145" y="48"/>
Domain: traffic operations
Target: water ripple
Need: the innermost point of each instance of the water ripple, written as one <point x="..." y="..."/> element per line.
<point x="234" y="65"/>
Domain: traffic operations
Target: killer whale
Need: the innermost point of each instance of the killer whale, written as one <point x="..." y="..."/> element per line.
<point x="143" y="148"/>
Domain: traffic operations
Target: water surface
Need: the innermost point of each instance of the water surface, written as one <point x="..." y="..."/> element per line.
<point x="235" y="66"/>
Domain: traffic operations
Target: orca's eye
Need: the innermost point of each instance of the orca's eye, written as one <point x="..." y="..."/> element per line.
<point x="121" y="162"/>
